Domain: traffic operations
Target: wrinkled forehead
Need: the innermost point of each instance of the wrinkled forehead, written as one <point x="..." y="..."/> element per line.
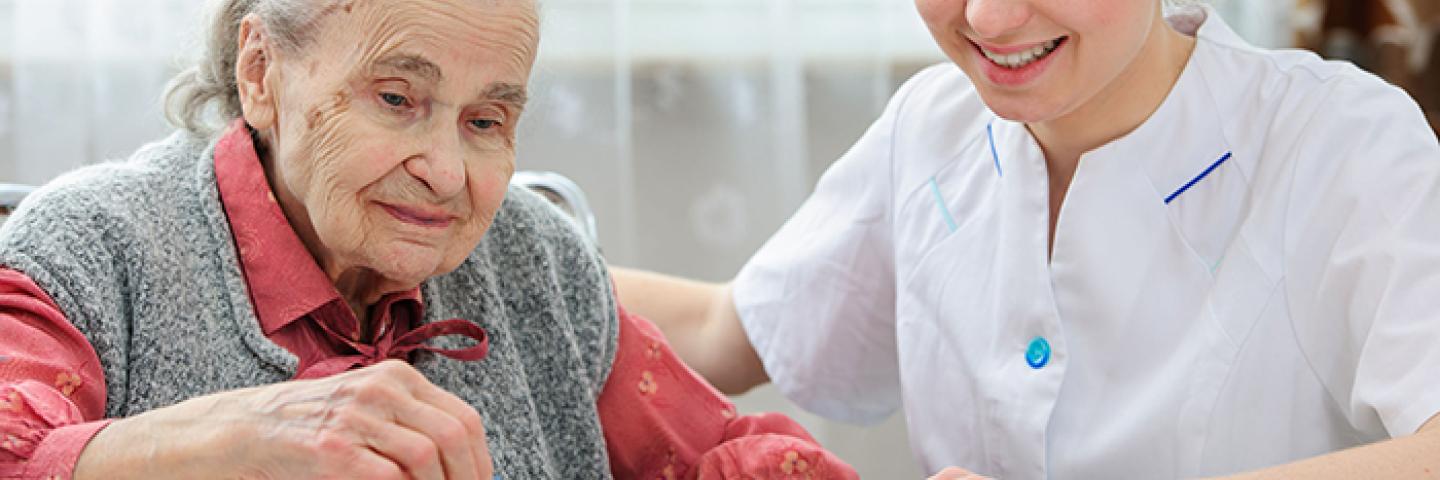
<point x="498" y="36"/>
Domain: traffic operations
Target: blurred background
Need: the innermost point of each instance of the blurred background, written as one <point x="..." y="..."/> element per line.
<point x="695" y="126"/>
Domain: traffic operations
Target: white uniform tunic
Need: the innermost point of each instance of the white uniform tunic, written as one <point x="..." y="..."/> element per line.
<point x="1249" y="278"/>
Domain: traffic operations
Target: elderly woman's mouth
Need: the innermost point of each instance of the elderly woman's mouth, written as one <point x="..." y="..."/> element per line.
<point x="431" y="218"/>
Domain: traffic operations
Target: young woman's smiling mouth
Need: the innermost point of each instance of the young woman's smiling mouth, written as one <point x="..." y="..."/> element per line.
<point x="1017" y="65"/>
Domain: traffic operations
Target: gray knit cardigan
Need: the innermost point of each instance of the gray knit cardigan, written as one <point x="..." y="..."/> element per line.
<point x="139" y="256"/>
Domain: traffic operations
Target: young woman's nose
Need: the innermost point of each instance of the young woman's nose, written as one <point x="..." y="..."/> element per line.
<point x="993" y="19"/>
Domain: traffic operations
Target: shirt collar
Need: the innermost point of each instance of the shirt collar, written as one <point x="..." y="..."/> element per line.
<point x="285" y="282"/>
<point x="1180" y="143"/>
<point x="1174" y="146"/>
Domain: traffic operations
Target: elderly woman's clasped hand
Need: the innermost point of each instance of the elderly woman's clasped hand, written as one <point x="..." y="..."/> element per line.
<point x="382" y="422"/>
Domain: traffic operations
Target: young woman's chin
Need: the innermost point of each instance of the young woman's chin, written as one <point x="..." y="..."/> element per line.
<point x="1035" y="103"/>
<point x="1027" y="108"/>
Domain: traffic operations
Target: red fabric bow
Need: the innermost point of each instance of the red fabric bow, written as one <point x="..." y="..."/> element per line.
<point x="388" y="347"/>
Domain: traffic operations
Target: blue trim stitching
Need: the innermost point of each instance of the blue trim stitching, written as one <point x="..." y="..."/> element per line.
<point x="940" y="202"/>
<point x="990" y="130"/>
<point x="1197" y="178"/>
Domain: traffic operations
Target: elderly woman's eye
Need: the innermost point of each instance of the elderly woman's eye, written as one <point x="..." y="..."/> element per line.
<point x="394" y="100"/>
<point x="485" y="124"/>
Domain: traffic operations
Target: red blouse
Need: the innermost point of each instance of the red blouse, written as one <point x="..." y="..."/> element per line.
<point x="661" y="420"/>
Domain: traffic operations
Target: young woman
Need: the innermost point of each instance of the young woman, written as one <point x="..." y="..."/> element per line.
<point x="1106" y="243"/>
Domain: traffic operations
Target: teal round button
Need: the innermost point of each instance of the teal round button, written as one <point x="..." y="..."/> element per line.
<point x="1038" y="354"/>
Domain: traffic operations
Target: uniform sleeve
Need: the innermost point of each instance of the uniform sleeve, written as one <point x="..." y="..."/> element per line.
<point x="52" y="391"/>
<point x="661" y="420"/>
<point x="1362" y="260"/>
<point x="818" y="300"/>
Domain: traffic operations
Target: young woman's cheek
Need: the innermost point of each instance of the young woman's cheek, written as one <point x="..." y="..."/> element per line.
<point x="938" y="13"/>
<point x="1099" y="16"/>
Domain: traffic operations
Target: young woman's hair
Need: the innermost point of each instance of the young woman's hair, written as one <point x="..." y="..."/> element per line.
<point x="206" y="92"/>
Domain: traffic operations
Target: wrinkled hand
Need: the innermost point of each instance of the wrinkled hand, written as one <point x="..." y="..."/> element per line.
<point x="956" y="473"/>
<point x="383" y="422"/>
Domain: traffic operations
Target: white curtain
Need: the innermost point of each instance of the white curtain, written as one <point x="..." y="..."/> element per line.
<point x="695" y="126"/>
<point x="80" y="80"/>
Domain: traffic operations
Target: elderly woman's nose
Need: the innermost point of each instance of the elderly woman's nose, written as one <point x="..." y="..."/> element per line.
<point x="993" y="19"/>
<point x="441" y="167"/>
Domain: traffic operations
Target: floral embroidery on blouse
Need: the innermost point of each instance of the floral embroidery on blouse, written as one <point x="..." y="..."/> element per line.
<point x="10" y="402"/>
<point x="794" y="464"/>
<point x="14" y="443"/>
<point x="648" y="386"/>
<point x="712" y="440"/>
<point x="67" y="382"/>
<point x="668" y="473"/>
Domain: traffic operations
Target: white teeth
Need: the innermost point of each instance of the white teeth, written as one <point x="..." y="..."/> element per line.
<point x="1020" y="59"/>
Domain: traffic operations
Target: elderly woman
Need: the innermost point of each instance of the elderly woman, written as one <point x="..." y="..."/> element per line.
<point x="340" y="285"/>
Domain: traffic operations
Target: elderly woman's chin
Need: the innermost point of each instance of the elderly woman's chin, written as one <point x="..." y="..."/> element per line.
<point x="407" y="261"/>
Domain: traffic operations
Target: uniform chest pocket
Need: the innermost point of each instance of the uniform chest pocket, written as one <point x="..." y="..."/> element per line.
<point x="1241" y="292"/>
<point x="940" y="216"/>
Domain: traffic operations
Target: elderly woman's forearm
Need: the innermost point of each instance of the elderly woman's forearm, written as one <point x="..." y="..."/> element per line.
<point x="117" y="453"/>
<point x="652" y="403"/>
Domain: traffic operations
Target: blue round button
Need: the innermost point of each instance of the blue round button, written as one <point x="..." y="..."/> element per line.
<point x="1038" y="355"/>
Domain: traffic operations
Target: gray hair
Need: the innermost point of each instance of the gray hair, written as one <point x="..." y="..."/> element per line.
<point x="208" y="87"/>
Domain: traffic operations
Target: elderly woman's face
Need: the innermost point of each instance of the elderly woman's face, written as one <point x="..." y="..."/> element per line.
<point x="394" y="131"/>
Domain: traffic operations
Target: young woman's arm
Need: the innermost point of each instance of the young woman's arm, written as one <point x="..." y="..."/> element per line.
<point x="1410" y="457"/>
<point x="700" y="322"/>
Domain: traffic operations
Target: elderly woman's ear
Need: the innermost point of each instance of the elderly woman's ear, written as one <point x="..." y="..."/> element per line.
<point x="255" y="75"/>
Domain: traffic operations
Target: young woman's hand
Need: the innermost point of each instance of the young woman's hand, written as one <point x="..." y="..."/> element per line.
<point x="956" y="473"/>
<point x="384" y="422"/>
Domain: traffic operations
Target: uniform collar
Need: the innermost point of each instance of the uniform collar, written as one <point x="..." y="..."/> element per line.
<point x="285" y="282"/>
<point x="1175" y="146"/>
<point x="1211" y="26"/>
<point x="1184" y="140"/>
